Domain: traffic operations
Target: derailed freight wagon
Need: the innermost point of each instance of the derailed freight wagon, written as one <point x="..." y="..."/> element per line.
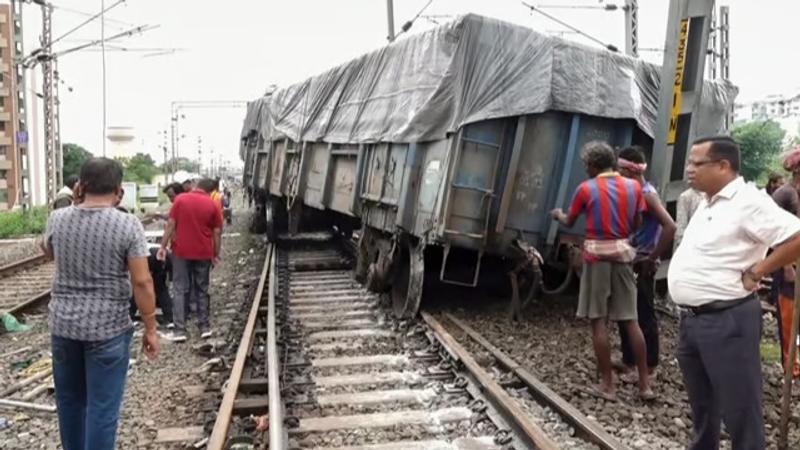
<point x="457" y="143"/>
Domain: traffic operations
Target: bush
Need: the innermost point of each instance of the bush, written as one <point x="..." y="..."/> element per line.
<point x="20" y="223"/>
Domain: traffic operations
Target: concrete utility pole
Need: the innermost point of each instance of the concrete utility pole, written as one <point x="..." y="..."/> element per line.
<point x="712" y="46"/>
<point x="103" y="70"/>
<point x="52" y="144"/>
<point x="631" y="9"/>
<point x="173" y="120"/>
<point x="679" y="94"/>
<point x="725" y="54"/>
<point x="164" y="147"/>
<point x="175" y="116"/>
<point x="390" y="18"/>
<point x="199" y="155"/>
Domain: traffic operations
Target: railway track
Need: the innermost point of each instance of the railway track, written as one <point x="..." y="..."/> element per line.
<point x="330" y="366"/>
<point x="25" y="283"/>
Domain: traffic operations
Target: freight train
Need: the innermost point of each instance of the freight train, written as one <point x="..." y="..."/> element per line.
<point x="449" y="148"/>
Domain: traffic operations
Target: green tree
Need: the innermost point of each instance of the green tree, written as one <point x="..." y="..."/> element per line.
<point x="181" y="163"/>
<point x="760" y="142"/>
<point x="74" y="157"/>
<point x="140" y="168"/>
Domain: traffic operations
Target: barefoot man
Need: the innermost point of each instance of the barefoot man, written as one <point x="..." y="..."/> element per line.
<point x="613" y="205"/>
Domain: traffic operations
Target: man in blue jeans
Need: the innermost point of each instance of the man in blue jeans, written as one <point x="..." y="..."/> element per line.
<point x="194" y="231"/>
<point x="101" y="256"/>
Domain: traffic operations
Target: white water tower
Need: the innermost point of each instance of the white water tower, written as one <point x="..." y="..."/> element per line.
<point x="121" y="139"/>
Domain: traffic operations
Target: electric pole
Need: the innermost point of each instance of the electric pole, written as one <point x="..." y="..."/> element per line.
<point x="725" y="54"/>
<point x="199" y="155"/>
<point x="390" y="18"/>
<point x="631" y="9"/>
<point x="163" y="134"/>
<point x="52" y="145"/>
<point x="211" y="164"/>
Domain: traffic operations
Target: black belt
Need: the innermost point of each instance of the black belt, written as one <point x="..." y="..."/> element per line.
<point x="715" y="306"/>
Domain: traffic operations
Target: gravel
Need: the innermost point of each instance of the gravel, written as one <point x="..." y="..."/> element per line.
<point x="557" y="348"/>
<point x="16" y="249"/>
<point x="175" y="390"/>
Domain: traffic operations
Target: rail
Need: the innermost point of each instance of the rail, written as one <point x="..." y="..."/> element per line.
<point x="273" y="369"/>
<point x="222" y="424"/>
<point x="26" y="279"/>
<point x="16" y="266"/>
<point x="535" y="436"/>
<point x="584" y="427"/>
<point x="307" y="291"/>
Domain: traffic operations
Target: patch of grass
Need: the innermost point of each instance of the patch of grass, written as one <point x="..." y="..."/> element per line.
<point x="770" y="352"/>
<point x="21" y="223"/>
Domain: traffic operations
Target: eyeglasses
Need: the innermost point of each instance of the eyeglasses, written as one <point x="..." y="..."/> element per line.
<point x="701" y="163"/>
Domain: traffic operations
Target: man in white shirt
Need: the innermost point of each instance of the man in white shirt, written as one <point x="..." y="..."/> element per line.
<point x="712" y="278"/>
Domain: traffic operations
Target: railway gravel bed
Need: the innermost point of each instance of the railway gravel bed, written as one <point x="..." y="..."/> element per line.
<point x="353" y="377"/>
<point x="15" y="249"/>
<point x="172" y="398"/>
<point x="557" y="348"/>
<point x="25" y="284"/>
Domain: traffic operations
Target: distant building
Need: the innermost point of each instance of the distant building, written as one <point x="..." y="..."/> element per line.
<point x="784" y="109"/>
<point x="772" y="107"/>
<point x="13" y="138"/>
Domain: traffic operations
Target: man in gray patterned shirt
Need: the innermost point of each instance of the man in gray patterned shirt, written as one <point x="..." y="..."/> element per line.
<point x="101" y="256"/>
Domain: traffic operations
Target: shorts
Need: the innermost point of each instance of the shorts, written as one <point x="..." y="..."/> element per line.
<point x="608" y="289"/>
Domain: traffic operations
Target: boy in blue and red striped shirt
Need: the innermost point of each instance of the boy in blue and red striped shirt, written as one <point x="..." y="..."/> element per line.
<point x="613" y="205"/>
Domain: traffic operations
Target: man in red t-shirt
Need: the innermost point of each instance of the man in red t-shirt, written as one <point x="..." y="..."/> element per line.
<point x="195" y="232"/>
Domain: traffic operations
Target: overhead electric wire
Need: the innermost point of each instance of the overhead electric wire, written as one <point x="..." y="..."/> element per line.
<point x="88" y="14"/>
<point x="131" y="32"/>
<point x="564" y="24"/>
<point x="406" y="26"/>
<point x="87" y="21"/>
<point x="608" y="7"/>
<point x="120" y="48"/>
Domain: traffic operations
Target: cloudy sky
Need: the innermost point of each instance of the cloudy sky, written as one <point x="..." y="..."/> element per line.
<point x="234" y="49"/>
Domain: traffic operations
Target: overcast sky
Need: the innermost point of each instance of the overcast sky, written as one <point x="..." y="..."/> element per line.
<point x="234" y="49"/>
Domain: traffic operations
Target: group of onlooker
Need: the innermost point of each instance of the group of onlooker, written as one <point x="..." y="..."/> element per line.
<point x="105" y="274"/>
<point x="724" y="230"/>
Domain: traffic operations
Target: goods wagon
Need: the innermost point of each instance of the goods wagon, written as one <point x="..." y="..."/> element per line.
<point x="449" y="148"/>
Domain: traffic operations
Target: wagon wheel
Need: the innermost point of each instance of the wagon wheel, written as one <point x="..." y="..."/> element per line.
<point x="409" y="277"/>
<point x="257" y="219"/>
<point x="271" y="226"/>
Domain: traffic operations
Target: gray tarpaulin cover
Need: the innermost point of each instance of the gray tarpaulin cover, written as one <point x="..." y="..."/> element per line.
<point x="475" y="68"/>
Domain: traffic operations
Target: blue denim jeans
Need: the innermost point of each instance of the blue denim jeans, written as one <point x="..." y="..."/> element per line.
<point x="191" y="278"/>
<point x="90" y="382"/>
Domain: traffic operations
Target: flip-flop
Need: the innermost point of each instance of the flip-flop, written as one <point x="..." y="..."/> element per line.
<point x="597" y="392"/>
